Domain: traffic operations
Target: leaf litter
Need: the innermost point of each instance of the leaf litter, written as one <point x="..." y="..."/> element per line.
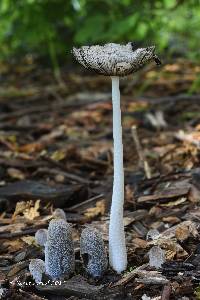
<point x="56" y="152"/>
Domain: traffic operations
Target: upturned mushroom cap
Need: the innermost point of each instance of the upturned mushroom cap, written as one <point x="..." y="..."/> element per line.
<point x="114" y="59"/>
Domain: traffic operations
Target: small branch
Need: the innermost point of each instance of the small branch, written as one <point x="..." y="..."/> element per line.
<point x="80" y="207"/>
<point x="63" y="172"/>
<point x="11" y="235"/>
<point x="142" y="161"/>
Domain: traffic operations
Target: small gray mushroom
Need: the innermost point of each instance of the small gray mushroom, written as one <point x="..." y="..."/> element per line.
<point x="37" y="268"/>
<point x="59" y="250"/>
<point x="41" y="237"/>
<point x="93" y="252"/>
<point x="152" y="234"/>
<point x="156" y="257"/>
<point x="59" y="214"/>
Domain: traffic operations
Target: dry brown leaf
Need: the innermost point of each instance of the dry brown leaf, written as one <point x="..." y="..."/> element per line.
<point x="127" y="221"/>
<point x="17" y="268"/>
<point x="167" y="194"/>
<point x="171" y="219"/>
<point x="30" y="240"/>
<point x="32" y="147"/>
<point x="180" y="252"/>
<point x="28" y="209"/>
<point x="15" y="173"/>
<point x="175" y="203"/>
<point x="58" y="155"/>
<point x="171" y="232"/>
<point x="170" y="245"/>
<point x="184" y="230"/>
<point x="155" y="211"/>
<point x="2" y="277"/>
<point x="32" y="212"/>
<point x="59" y="178"/>
<point x="128" y="193"/>
<point x="194" y="195"/>
<point x="139" y="243"/>
<point x="20" y="207"/>
<point x="14" y="245"/>
<point x="99" y="209"/>
<point x="170" y="254"/>
<point x="12" y="227"/>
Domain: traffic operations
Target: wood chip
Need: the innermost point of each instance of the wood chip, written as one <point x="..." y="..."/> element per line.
<point x="165" y="195"/>
<point x="76" y="286"/>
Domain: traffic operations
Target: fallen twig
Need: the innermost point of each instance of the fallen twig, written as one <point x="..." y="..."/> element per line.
<point x="142" y="161"/>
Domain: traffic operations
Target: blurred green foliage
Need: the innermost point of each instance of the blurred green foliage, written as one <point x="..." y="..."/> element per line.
<point x="51" y="27"/>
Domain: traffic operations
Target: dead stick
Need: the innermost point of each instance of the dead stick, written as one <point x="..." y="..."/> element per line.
<point x="81" y="206"/>
<point x="68" y="175"/>
<point x="142" y="161"/>
<point x="10" y="235"/>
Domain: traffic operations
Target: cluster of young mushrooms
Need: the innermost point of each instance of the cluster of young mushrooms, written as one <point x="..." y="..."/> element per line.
<point x="112" y="60"/>
<point x="58" y="246"/>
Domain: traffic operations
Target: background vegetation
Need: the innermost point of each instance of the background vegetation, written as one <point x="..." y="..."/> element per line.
<point x="49" y="28"/>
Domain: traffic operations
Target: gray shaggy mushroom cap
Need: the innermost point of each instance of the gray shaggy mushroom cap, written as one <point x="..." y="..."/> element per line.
<point x="114" y="59"/>
<point x="41" y="237"/>
<point x="93" y="252"/>
<point x="37" y="268"/>
<point x="59" y="249"/>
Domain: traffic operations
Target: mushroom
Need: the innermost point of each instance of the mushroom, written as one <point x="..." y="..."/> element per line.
<point x="59" y="250"/>
<point x="41" y="237"/>
<point x="116" y="60"/>
<point x="156" y="257"/>
<point x="37" y="268"/>
<point x="93" y="252"/>
<point x="59" y="214"/>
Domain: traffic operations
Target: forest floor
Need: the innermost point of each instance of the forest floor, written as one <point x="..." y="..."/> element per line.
<point x="56" y="151"/>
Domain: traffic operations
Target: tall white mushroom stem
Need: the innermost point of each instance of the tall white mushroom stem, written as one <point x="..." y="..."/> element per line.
<point x="117" y="245"/>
